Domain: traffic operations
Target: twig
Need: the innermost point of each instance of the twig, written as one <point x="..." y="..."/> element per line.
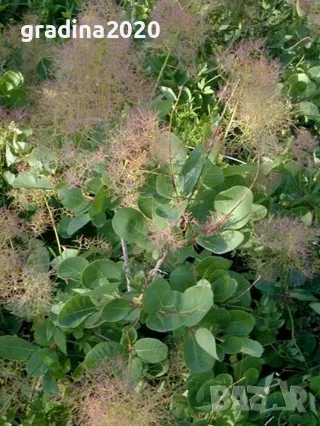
<point x="159" y="263"/>
<point x="169" y="139"/>
<point x="248" y="289"/>
<point x="233" y="159"/>
<point x="156" y="269"/>
<point x="127" y="269"/>
<point x="54" y="227"/>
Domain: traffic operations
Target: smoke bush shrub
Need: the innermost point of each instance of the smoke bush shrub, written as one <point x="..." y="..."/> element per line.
<point x="138" y="268"/>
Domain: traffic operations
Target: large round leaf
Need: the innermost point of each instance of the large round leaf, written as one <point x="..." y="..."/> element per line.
<point x="101" y="352"/>
<point x="101" y="269"/>
<point x="130" y="225"/>
<point x="151" y="351"/>
<point x="241" y="323"/>
<point x="223" y="242"/>
<point x="236" y="202"/>
<point x="224" y="287"/>
<point x="73" y="199"/>
<point x="169" y="148"/>
<point x="251" y="347"/>
<point x="196" y="302"/>
<point x="72" y="268"/>
<point x="116" y="310"/>
<point x="197" y="359"/>
<point x="232" y="345"/>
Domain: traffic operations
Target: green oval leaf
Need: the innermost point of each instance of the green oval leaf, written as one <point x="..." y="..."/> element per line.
<point x="72" y="268"/>
<point x="75" y="311"/>
<point x="241" y="323"/>
<point x="223" y="242"/>
<point x="16" y="349"/>
<point x="151" y="351"/>
<point x="197" y="359"/>
<point x="101" y="352"/>
<point x="101" y="269"/>
<point x="130" y="225"/>
<point x="116" y="310"/>
<point x="236" y="202"/>
<point x="207" y="342"/>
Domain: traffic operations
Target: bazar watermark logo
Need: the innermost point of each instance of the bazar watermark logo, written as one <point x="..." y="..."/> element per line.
<point x="232" y="398"/>
<point x="71" y="29"/>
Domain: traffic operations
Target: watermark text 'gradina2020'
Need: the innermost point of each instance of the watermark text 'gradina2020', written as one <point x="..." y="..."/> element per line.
<point x="71" y="29"/>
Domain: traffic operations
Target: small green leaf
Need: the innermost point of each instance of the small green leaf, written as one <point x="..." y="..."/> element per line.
<point x="36" y="365"/>
<point x="314" y="73"/>
<point x="182" y="278"/>
<point x="316" y="307"/>
<point x="196" y="302"/>
<point x="157" y="295"/>
<point x="77" y="223"/>
<point x="258" y="212"/>
<point x="315" y="385"/>
<point x="49" y="384"/>
<point x="60" y="340"/>
<point x="207" y="342"/>
<point x="169" y="148"/>
<point x="212" y="175"/>
<point x="309" y="110"/>
<point x="224" y="287"/>
<point x="232" y="345"/>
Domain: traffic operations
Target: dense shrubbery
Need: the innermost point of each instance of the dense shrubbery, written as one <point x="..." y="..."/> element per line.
<point x="160" y="214"/>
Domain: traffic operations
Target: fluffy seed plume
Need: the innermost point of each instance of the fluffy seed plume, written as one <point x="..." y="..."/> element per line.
<point x="25" y="292"/>
<point x="94" y="79"/>
<point x="285" y="244"/>
<point x="261" y="112"/>
<point x="76" y="165"/>
<point x="307" y="6"/>
<point x="302" y="148"/>
<point x="183" y="28"/>
<point x="94" y="245"/>
<point x="168" y="238"/>
<point x="12" y="395"/>
<point x="40" y="222"/>
<point x="105" y="399"/>
<point x="24" y="199"/>
<point x="11" y="226"/>
<point x="130" y="153"/>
